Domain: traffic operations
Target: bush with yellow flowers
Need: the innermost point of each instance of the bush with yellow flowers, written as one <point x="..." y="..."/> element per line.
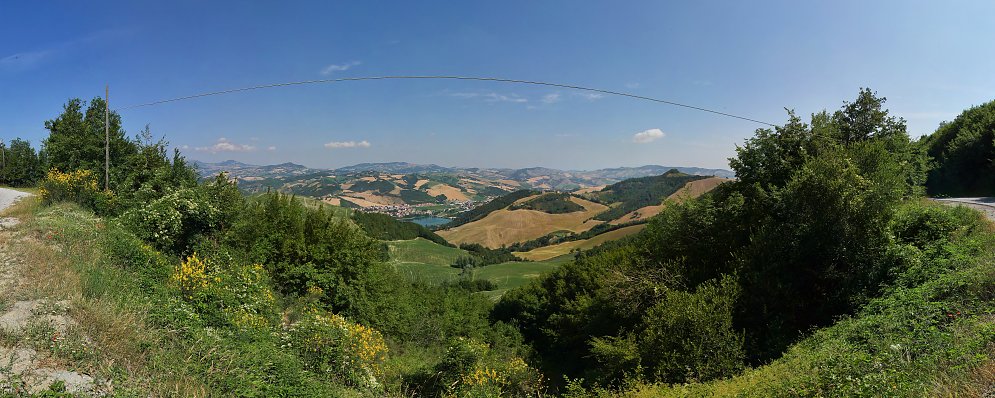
<point x="191" y="276"/>
<point x="227" y="293"/>
<point x="471" y="369"/>
<point x="332" y="345"/>
<point x="78" y="186"/>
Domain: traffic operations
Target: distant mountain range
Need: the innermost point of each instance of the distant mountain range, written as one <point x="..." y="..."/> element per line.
<point x="395" y="183"/>
<point x="289" y="169"/>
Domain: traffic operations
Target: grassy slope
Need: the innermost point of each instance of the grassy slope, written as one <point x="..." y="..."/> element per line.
<point x="559" y="249"/>
<point x="424" y="260"/>
<point x="934" y="339"/>
<point x="514" y="274"/>
<point x="504" y="227"/>
<point x="420" y="259"/>
<point x="143" y="337"/>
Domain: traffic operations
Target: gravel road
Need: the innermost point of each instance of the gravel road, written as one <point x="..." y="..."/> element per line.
<point x="9" y="196"/>
<point x="984" y="205"/>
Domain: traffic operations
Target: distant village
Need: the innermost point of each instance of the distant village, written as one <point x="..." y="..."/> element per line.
<point x="419" y="210"/>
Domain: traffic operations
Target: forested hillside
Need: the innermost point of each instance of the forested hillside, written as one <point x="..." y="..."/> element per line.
<point x="635" y="193"/>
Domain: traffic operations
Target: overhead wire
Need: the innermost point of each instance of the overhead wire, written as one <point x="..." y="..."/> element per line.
<point x="445" y="77"/>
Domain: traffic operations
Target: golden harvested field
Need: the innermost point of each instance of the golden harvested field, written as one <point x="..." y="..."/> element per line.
<point x="552" y="251"/>
<point x="504" y="227"/>
<point x="371" y="197"/>
<point x="690" y="190"/>
<point x="451" y="192"/>
<point x="589" y="189"/>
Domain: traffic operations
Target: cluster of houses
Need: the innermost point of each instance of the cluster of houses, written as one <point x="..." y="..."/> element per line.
<point x="408" y="211"/>
<point x="396" y="211"/>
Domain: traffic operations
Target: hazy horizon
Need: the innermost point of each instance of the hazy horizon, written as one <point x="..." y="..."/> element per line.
<point x="450" y="166"/>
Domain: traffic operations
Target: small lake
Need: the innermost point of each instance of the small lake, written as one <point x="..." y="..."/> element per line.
<point x="430" y="221"/>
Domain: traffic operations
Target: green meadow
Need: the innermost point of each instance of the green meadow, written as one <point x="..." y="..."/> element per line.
<point x="422" y="260"/>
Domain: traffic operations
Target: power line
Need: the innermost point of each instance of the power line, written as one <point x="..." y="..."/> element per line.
<point x="485" y="79"/>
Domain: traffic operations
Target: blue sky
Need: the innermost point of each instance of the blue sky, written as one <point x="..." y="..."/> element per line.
<point x="931" y="60"/>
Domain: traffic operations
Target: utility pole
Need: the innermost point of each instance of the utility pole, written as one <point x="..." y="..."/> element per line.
<point x="107" y="139"/>
<point x="3" y="157"/>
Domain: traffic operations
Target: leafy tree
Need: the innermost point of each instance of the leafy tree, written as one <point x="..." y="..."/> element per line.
<point x="964" y="152"/>
<point x="76" y="140"/>
<point x="21" y="164"/>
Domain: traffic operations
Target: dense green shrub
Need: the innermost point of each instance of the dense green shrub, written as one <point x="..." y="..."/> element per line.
<point x="173" y="221"/>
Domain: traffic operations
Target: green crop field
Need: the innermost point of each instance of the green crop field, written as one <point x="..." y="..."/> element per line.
<point x="423" y="251"/>
<point x="423" y="260"/>
<point x="514" y="274"/>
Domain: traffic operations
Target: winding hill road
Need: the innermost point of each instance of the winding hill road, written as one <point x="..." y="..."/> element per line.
<point x="984" y="205"/>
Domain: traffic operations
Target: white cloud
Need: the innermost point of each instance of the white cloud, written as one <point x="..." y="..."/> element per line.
<point x="271" y="148"/>
<point x="348" y="144"/>
<point x="339" y="67"/>
<point x="590" y="96"/>
<point x="495" y="97"/>
<point x="223" y="145"/>
<point x="492" y="97"/>
<point x="650" y="135"/>
<point x="551" y="98"/>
